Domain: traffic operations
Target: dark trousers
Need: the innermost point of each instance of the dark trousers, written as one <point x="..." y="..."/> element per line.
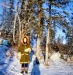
<point x="24" y="65"/>
<point x="24" y="68"/>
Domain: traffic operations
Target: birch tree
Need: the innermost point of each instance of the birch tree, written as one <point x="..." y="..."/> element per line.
<point x="57" y="19"/>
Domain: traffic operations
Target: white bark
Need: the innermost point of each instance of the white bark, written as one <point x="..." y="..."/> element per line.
<point x="48" y="51"/>
<point x="38" y="47"/>
<point x="47" y="47"/>
<point x="14" y="29"/>
<point x="19" y="28"/>
<point x="15" y="23"/>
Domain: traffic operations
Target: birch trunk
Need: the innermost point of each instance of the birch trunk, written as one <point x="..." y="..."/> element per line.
<point x="15" y="23"/>
<point x="48" y="48"/>
<point x="19" y="29"/>
<point x="38" y="47"/>
<point x="39" y="32"/>
<point x="14" y="29"/>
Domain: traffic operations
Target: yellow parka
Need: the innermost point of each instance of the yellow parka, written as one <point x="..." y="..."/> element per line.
<point x="24" y="53"/>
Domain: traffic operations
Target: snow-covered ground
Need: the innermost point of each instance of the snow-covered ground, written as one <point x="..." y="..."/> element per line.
<point x="56" y="66"/>
<point x="9" y="65"/>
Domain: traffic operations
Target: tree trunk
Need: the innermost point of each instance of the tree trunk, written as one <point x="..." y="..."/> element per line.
<point x="14" y="29"/>
<point x="14" y="24"/>
<point x="39" y="31"/>
<point x="48" y="48"/>
<point x="19" y="29"/>
<point x="38" y="46"/>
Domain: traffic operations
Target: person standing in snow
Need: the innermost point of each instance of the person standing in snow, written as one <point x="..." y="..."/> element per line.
<point x="24" y="53"/>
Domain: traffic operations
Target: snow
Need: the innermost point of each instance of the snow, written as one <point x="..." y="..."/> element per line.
<point x="55" y="56"/>
<point x="56" y="66"/>
<point x="9" y="65"/>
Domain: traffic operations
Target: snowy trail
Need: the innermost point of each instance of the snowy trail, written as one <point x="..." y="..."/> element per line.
<point x="57" y="66"/>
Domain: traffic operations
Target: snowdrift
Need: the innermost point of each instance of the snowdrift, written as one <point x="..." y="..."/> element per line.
<point x="9" y="63"/>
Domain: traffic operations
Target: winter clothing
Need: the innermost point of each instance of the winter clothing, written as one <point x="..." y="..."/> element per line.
<point x="5" y="42"/>
<point x="24" y="53"/>
<point x="24" y="50"/>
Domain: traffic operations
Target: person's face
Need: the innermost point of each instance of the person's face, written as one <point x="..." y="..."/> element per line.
<point x="25" y="40"/>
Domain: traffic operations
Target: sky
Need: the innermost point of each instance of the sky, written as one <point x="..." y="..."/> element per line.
<point x="68" y="8"/>
<point x="0" y="7"/>
<point x="59" y="32"/>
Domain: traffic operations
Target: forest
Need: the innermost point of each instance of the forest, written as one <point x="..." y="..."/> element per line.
<point x="43" y="20"/>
